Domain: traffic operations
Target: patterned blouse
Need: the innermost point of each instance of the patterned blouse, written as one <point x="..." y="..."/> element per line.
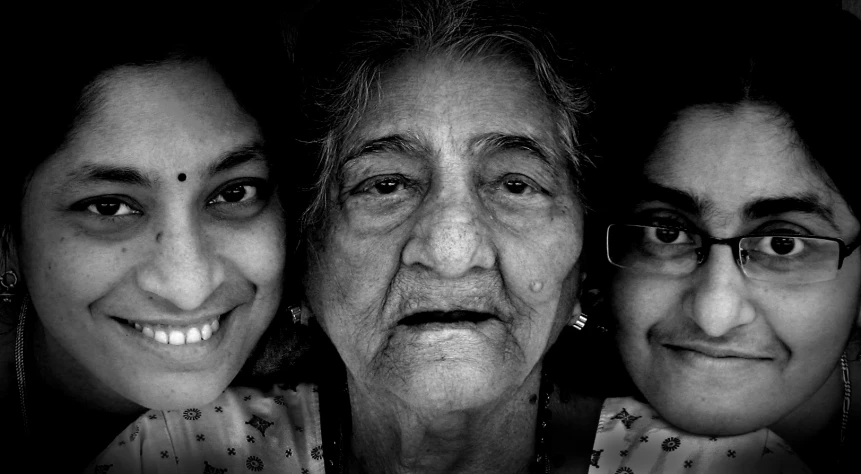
<point x="249" y="431"/>
<point x="244" y="430"/>
<point x="633" y="439"/>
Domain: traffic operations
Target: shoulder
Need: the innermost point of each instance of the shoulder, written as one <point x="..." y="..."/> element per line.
<point x="243" y="429"/>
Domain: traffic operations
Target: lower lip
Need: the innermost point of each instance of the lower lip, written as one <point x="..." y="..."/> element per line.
<point x="185" y="354"/>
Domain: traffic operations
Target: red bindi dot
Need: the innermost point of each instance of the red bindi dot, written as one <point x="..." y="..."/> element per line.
<point x="181" y="177"/>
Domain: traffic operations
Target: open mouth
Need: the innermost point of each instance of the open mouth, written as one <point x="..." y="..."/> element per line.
<point x="445" y="317"/>
<point x="176" y="335"/>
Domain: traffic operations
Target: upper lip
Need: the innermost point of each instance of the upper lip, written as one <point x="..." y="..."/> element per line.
<point x="719" y="351"/>
<point x="188" y="320"/>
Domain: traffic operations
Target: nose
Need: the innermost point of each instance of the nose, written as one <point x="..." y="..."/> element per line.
<point x="451" y="236"/>
<point x="183" y="269"/>
<point x="720" y="297"/>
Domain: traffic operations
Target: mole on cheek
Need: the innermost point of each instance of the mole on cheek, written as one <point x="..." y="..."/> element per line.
<point x="158" y="237"/>
<point x="181" y="177"/>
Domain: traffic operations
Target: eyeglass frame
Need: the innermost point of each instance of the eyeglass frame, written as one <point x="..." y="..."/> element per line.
<point x="734" y="244"/>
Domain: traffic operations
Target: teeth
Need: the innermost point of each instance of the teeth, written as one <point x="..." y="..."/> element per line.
<point x="178" y="336"/>
<point x="206" y="332"/>
<point x="192" y="336"/>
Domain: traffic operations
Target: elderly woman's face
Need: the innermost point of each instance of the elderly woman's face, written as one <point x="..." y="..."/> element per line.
<point x="717" y="351"/>
<point x="152" y="245"/>
<point x="448" y="263"/>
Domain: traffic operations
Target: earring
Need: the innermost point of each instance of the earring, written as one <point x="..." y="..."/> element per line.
<point x="8" y="282"/>
<point x="296" y="313"/>
<point x="580" y="322"/>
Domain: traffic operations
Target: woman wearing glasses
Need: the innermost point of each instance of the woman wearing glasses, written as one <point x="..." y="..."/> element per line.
<point x="737" y="276"/>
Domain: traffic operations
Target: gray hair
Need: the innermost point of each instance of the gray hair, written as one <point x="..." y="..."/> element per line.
<point x="461" y="30"/>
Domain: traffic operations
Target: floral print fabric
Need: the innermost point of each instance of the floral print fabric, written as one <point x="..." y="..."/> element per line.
<point x="633" y="439"/>
<point x="243" y="431"/>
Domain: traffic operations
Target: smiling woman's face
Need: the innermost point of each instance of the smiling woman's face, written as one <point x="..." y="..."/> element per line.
<point x="448" y="263"/>
<point x="716" y="351"/>
<point x="152" y="245"/>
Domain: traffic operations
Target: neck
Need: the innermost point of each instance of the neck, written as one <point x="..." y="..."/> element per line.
<point x="389" y="436"/>
<point x="813" y="428"/>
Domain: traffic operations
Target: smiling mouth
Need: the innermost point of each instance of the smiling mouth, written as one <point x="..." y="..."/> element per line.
<point x="176" y="335"/>
<point x="716" y="352"/>
<point x="445" y="317"/>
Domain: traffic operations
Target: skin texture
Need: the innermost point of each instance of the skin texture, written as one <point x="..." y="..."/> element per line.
<point x="790" y="336"/>
<point x="442" y="219"/>
<point x="96" y="250"/>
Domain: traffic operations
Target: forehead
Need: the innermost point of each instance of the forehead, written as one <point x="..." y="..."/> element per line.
<point x="450" y="102"/>
<point x="729" y="160"/>
<point x="175" y="114"/>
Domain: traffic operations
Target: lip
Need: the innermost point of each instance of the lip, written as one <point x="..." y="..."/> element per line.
<point x="446" y="318"/>
<point x="187" y="356"/>
<point x="718" y="352"/>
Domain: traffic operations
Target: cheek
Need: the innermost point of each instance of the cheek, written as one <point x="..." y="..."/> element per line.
<point x="540" y="268"/>
<point x="258" y="252"/>
<point x="638" y="304"/>
<point x="347" y="283"/>
<point x="65" y="269"/>
<point x="813" y="324"/>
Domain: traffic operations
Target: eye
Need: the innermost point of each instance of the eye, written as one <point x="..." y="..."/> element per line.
<point x="387" y="186"/>
<point x="236" y="194"/>
<point x="517" y="186"/>
<point x="666" y="235"/>
<point x="110" y="207"/>
<point x="382" y="185"/>
<point x="780" y="246"/>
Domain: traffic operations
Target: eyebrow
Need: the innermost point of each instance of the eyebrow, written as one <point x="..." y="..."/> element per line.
<point x="675" y="197"/>
<point x="807" y="203"/>
<point x="490" y="143"/>
<point x="802" y="203"/>
<point x="113" y="174"/>
<point x="396" y="143"/>
<point x="253" y="153"/>
<point x="132" y="176"/>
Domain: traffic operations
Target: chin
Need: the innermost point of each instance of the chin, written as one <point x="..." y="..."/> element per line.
<point x="449" y="385"/>
<point x="729" y="417"/>
<point x="179" y="391"/>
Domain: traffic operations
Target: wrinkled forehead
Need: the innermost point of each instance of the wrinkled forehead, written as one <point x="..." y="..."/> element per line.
<point x="447" y="102"/>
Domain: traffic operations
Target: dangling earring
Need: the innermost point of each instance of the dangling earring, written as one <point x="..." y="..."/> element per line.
<point x="8" y="282"/>
<point x="579" y="322"/>
<point x="296" y="314"/>
<point x="578" y="317"/>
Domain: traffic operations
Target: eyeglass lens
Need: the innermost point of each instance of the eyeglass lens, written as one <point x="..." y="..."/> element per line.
<point x="674" y="252"/>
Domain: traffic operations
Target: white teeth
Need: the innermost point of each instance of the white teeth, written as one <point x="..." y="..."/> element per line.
<point x="177" y="336"/>
<point x="192" y="336"/>
<point x="206" y="332"/>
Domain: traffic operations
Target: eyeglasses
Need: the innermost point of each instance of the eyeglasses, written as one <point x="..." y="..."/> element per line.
<point x="777" y="258"/>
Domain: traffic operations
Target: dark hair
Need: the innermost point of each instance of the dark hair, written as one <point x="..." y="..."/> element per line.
<point x="60" y="61"/>
<point x="799" y="63"/>
<point x="345" y="55"/>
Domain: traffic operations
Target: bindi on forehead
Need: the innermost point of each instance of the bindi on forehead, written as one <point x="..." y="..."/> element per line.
<point x="181" y="177"/>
